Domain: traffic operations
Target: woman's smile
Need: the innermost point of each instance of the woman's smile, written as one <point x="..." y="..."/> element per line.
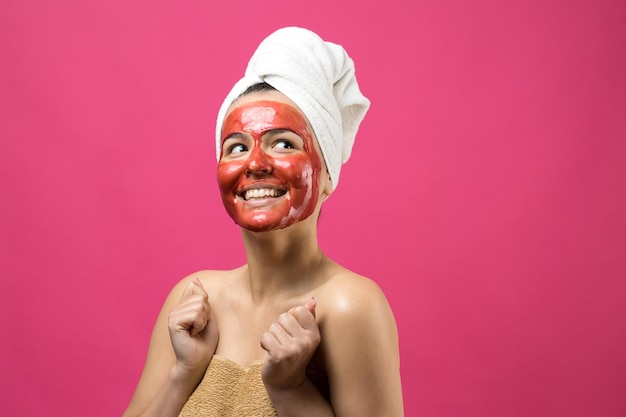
<point x="255" y="194"/>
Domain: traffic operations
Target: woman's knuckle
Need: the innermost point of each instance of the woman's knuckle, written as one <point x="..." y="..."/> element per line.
<point x="275" y="327"/>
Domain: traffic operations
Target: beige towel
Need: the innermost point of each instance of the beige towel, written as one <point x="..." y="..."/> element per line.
<point x="229" y="390"/>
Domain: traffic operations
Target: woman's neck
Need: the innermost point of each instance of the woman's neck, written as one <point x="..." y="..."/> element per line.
<point x="282" y="262"/>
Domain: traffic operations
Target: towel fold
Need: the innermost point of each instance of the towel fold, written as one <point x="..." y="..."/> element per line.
<point x="320" y="78"/>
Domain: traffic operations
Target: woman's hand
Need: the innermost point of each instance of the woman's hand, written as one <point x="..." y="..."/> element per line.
<point x="290" y="343"/>
<point x="192" y="331"/>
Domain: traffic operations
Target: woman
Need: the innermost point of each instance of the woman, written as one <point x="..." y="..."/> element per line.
<point x="291" y="333"/>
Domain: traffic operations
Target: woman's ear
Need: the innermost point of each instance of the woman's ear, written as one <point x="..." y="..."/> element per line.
<point x="327" y="185"/>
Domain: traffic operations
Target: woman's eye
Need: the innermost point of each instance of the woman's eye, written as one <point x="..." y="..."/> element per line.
<point x="237" y="148"/>
<point x="283" y="144"/>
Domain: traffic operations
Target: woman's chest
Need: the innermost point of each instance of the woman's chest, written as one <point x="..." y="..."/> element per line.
<point x="240" y="336"/>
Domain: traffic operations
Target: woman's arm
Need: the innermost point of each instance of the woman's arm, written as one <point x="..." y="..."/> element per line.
<point x="182" y="344"/>
<point x="359" y="342"/>
<point x="361" y="349"/>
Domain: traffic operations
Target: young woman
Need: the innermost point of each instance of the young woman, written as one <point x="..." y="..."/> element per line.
<point x="290" y="333"/>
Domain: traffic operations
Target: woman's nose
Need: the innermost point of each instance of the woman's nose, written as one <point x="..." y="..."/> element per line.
<point x="258" y="162"/>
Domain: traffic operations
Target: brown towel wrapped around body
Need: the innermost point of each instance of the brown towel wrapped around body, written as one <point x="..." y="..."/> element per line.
<point x="229" y="390"/>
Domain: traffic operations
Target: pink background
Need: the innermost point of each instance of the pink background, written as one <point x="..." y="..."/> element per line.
<point x="486" y="194"/>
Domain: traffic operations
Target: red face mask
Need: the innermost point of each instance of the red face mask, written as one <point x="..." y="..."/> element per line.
<point x="269" y="169"/>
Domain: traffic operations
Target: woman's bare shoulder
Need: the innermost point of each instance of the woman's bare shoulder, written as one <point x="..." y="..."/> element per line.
<point x="348" y="298"/>
<point x="347" y="290"/>
<point x="215" y="282"/>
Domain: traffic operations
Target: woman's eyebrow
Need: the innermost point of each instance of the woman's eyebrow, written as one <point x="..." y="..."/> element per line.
<point x="234" y="135"/>
<point x="278" y="131"/>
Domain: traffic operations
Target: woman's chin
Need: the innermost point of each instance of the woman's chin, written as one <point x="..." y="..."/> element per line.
<point x="264" y="226"/>
<point x="267" y="225"/>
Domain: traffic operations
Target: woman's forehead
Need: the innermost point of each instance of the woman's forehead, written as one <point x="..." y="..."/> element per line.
<point x="273" y="99"/>
<point x="261" y="116"/>
<point x="266" y="95"/>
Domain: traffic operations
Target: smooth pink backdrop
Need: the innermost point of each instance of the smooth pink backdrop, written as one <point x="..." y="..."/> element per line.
<point x="486" y="193"/>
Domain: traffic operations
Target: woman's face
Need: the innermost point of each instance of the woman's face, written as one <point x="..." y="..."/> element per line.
<point x="269" y="169"/>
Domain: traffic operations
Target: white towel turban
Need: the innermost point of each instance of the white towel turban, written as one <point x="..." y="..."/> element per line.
<point x="316" y="75"/>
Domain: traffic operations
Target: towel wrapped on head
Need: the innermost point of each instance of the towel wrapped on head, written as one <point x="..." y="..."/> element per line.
<point x="316" y="75"/>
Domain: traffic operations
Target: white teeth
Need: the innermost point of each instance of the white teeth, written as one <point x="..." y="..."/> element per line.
<point x="260" y="193"/>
